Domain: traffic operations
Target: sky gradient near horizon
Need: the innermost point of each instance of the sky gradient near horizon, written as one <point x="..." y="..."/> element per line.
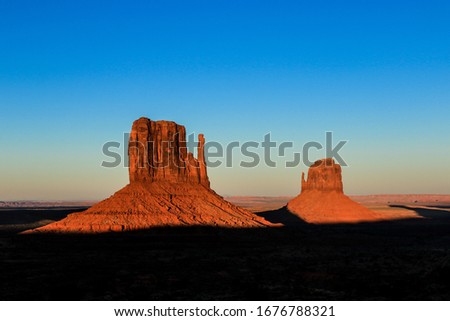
<point x="74" y="75"/>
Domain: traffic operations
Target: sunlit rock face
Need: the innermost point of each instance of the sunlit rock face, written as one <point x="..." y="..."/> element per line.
<point x="157" y="152"/>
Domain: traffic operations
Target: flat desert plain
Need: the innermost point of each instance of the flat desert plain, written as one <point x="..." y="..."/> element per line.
<point x="405" y="257"/>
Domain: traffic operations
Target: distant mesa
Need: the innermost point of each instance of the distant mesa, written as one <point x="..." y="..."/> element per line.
<point x="322" y="198"/>
<point x="168" y="187"/>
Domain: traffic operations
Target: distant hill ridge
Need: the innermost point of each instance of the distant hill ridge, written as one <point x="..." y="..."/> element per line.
<point x="44" y="204"/>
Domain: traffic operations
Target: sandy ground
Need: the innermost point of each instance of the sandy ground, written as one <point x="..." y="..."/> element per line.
<point x="20" y="216"/>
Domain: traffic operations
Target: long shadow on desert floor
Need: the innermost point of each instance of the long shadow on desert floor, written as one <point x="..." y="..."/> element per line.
<point x="282" y="216"/>
<point x="435" y="213"/>
<point x="19" y="219"/>
<point x="401" y="260"/>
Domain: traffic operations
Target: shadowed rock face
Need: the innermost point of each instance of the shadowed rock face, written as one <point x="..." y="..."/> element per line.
<point x="322" y="198"/>
<point x="168" y="187"/>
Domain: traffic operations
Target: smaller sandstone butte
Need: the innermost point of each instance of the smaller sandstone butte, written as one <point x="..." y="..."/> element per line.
<point x="325" y="176"/>
<point x="322" y="198"/>
<point x="168" y="187"/>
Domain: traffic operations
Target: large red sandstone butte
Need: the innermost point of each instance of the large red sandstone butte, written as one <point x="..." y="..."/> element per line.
<point x="168" y="187"/>
<point x="322" y="198"/>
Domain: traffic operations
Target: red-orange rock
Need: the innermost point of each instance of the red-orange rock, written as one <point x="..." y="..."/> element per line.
<point x="168" y="187"/>
<point x="322" y="198"/>
<point x="157" y="152"/>
<point x="324" y="175"/>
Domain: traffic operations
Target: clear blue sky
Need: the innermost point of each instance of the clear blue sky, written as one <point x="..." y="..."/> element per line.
<point x="74" y="75"/>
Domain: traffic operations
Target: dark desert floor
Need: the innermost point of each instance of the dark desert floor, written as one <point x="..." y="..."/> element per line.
<point x="404" y="259"/>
